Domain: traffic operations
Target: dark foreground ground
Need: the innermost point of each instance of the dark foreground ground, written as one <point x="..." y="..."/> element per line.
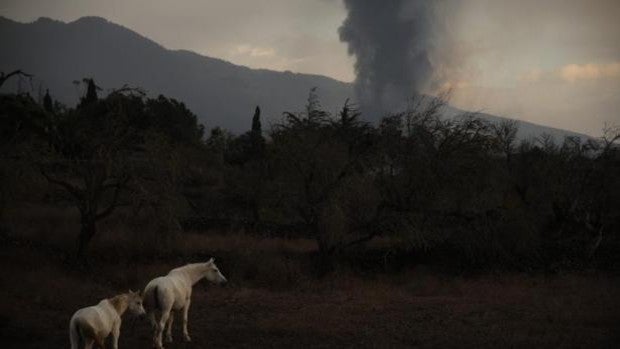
<point x="414" y="308"/>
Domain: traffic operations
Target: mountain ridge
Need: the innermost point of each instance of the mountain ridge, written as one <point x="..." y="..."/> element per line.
<point x="219" y="92"/>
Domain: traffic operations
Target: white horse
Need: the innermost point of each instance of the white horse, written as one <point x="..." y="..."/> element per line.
<point x="94" y="324"/>
<point x="173" y="292"/>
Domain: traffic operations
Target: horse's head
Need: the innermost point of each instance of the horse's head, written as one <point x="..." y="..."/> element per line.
<point x="134" y="303"/>
<point x="213" y="274"/>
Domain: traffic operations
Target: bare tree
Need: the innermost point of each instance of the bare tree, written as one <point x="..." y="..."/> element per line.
<point x="318" y="157"/>
<point x="505" y="133"/>
<point x="90" y="158"/>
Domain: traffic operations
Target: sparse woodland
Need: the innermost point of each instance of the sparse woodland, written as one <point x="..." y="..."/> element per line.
<point x="322" y="223"/>
<point x="457" y="192"/>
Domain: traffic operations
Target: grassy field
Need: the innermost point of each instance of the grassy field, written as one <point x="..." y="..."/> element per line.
<point x="274" y="300"/>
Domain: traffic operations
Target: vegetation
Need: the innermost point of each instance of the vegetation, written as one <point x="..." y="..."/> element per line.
<point x="320" y="210"/>
<point x="460" y="191"/>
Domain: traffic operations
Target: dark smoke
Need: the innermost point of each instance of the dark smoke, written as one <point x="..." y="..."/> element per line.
<point x="391" y="40"/>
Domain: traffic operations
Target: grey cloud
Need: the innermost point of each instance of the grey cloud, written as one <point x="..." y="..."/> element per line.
<point x="391" y="42"/>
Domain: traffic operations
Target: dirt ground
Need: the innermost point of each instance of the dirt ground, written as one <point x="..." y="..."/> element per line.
<point x="416" y="308"/>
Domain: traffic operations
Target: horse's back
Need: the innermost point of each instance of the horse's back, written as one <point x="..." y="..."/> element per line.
<point x="92" y="322"/>
<point x="165" y="292"/>
<point x="153" y="283"/>
<point x="88" y="314"/>
<point x="83" y="323"/>
<point x="158" y="292"/>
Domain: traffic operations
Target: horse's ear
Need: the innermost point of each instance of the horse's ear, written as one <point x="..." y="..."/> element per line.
<point x="212" y="260"/>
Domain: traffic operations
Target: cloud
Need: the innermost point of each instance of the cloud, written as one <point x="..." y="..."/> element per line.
<point x="572" y="73"/>
<point x="503" y="40"/>
<point x="253" y="51"/>
<point x="578" y="97"/>
<point x="575" y="72"/>
<point x="531" y="76"/>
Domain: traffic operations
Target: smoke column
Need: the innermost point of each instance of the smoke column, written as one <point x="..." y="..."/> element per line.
<point x="391" y="41"/>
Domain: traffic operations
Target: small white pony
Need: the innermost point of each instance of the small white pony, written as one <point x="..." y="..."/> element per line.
<point x="165" y="294"/>
<point x="94" y="324"/>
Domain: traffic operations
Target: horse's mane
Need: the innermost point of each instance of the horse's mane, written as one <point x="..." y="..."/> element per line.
<point x="119" y="302"/>
<point x="189" y="266"/>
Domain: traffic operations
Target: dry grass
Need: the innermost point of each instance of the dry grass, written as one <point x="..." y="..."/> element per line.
<point x="273" y="300"/>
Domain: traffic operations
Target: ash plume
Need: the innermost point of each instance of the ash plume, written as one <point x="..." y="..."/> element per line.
<point x="391" y="41"/>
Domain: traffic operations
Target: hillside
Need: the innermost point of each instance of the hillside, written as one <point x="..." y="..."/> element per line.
<point x="220" y="93"/>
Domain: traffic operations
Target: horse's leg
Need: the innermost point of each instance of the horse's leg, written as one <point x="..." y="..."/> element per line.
<point x="116" y="331"/>
<point x="154" y="317"/>
<point x="186" y="336"/>
<point x="99" y="342"/>
<point x="88" y="343"/>
<point x="74" y="336"/>
<point x="169" y="327"/>
<point x="153" y="322"/>
<point x="161" y="325"/>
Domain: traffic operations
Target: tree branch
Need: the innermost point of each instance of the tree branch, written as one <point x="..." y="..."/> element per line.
<point x="4" y="78"/>
<point x="360" y="240"/>
<point x="113" y="204"/>
<point x="73" y="190"/>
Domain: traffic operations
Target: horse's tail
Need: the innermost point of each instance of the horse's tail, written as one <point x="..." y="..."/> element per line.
<point x="156" y="303"/>
<point x="151" y="298"/>
<point x="74" y="333"/>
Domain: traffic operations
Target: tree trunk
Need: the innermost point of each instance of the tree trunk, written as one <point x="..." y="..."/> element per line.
<point x="255" y="214"/>
<point x="325" y="256"/>
<point x="87" y="233"/>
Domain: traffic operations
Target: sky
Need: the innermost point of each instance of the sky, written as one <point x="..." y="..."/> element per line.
<point x="552" y="62"/>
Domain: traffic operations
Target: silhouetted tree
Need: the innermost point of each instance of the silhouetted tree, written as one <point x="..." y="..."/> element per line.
<point x="349" y="115"/>
<point x="323" y="176"/>
<point x="256" y="125"/>
<point x="89" y="159"/>
<point x="256" y="135"/>
<point x="48" y="104"/>
<point x="172" y="118"/>
<point x="91" y="93"/>
<point x="109" y="149"/>
<point x="22" y="126"/>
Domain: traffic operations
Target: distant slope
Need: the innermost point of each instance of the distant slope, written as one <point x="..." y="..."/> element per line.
<point x="220" y="93"/>
<point x="527" y="130"/>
